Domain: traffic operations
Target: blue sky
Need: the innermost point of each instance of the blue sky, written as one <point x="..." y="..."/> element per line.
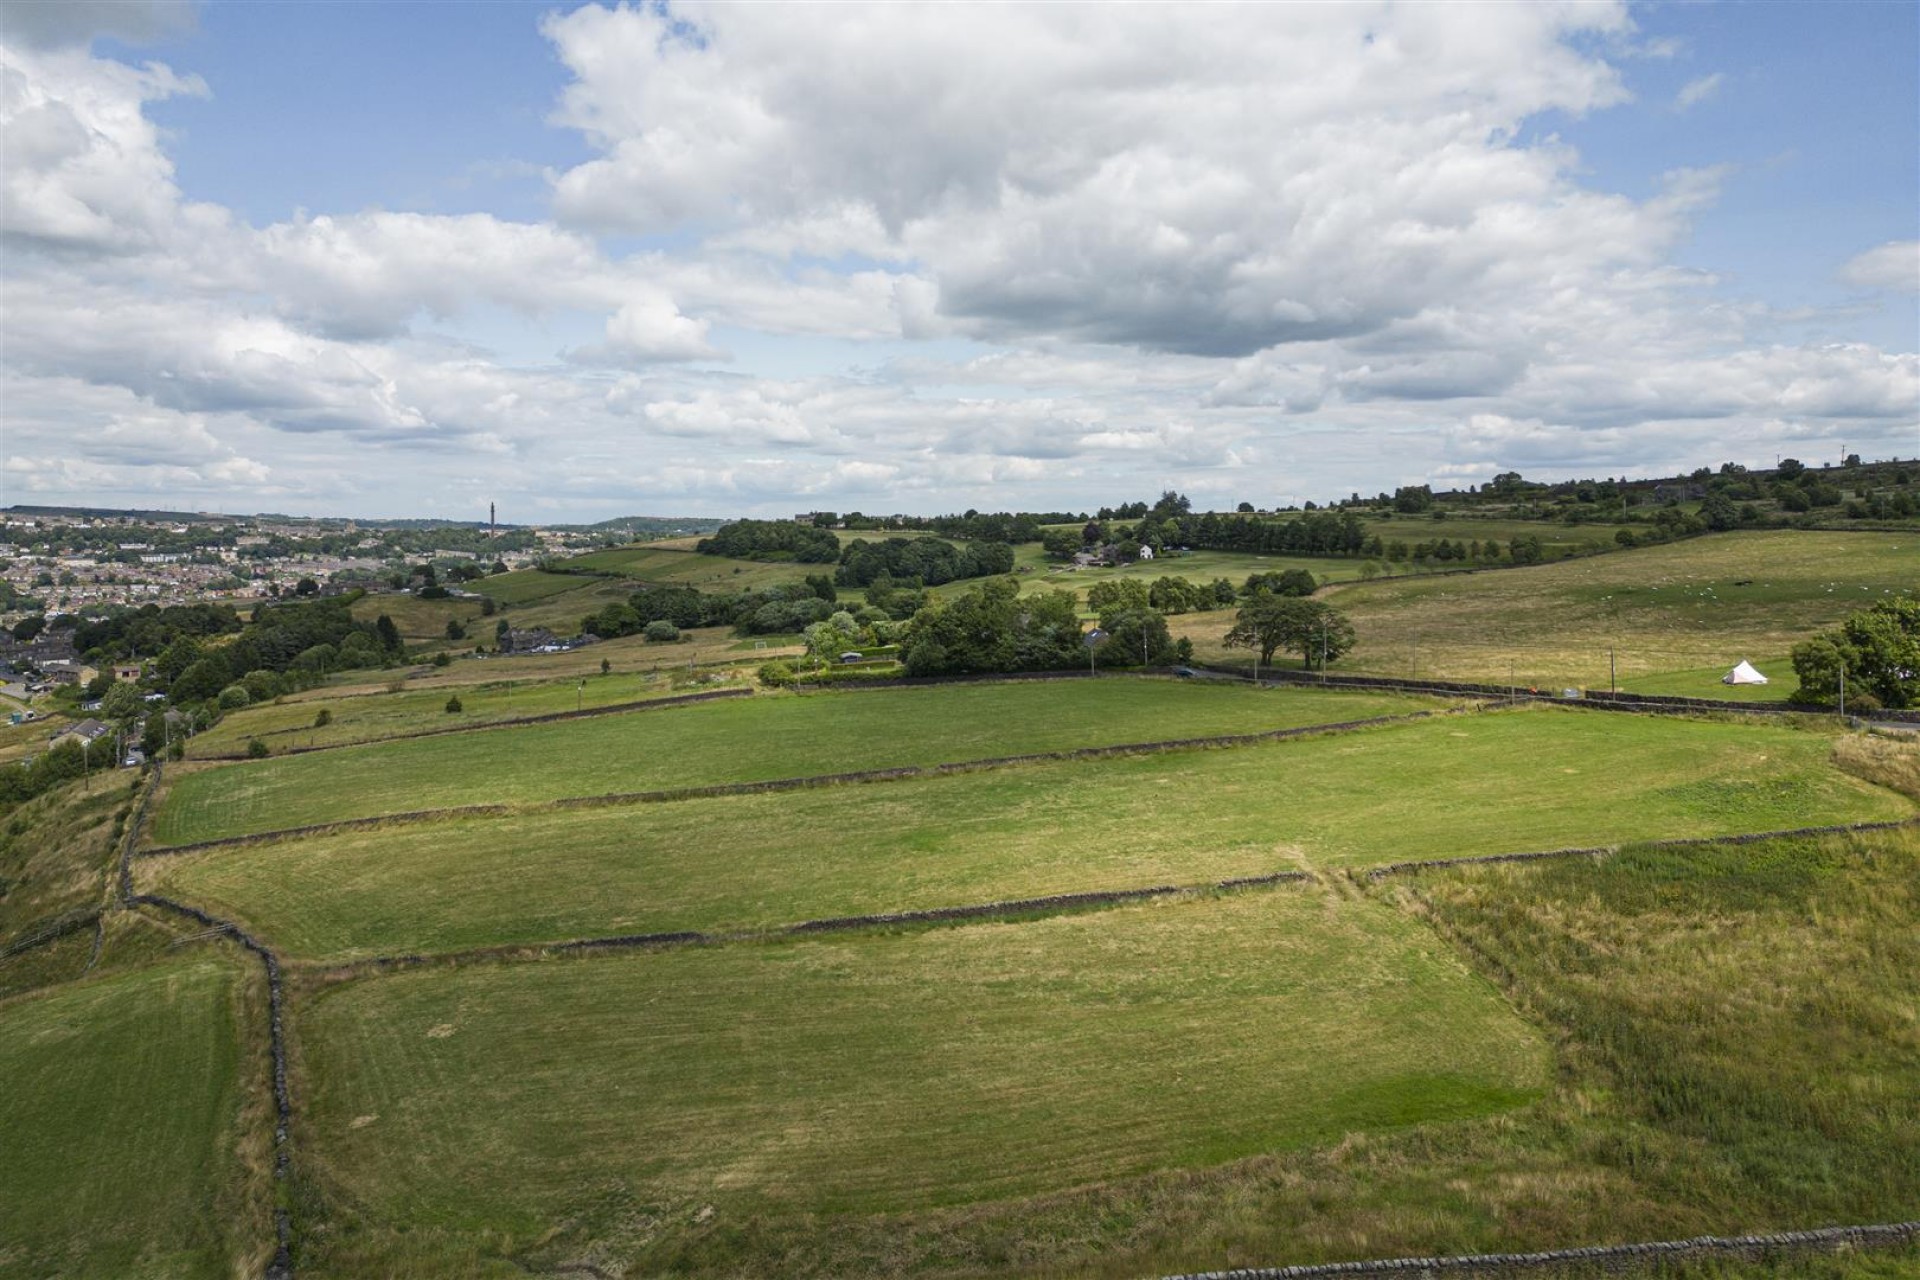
<point x="396" y="259"/>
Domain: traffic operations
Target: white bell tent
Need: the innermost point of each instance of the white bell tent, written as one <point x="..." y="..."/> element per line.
<point x="1743" y="674"/>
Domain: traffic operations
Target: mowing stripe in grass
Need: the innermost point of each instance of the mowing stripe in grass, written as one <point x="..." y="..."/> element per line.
<point x="1604" y="850"/>
<point x="1819" y="1238"/>
<point x="711" y="790"/>
<point x="549" y="717"/>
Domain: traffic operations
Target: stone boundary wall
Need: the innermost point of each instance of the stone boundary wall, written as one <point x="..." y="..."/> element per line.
<point x="1610" y="1256"/>
<point x="1591" y="698"/>
<point x="1606" y="850"/>
<point x="710" y="790"/>
<point x="834" y="924"/>
<point x="281" y="1268"/>
<point x="546" y="717"/>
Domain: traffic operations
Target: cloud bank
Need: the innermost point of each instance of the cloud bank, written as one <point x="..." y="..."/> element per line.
<point x="1047" y="255"/>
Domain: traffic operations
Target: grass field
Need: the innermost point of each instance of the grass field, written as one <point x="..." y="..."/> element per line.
<point x="370" y="716"/>
<point x="885" y="1074"/>
<point x="1431" y="789"/>
<point x="677" y="564"/>
<point x="753" y="739"/>
<point x="1556" y="539"/>
<point x="524" y="586"/>
<point x="1041" y="574"/>
<point x="1733" y="1043"/>
<point x="121" y="1111"/>
<point x="420" y="621"/>
<point x="1696" y="606"/>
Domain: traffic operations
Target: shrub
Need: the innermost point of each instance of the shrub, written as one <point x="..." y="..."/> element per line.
<point x="256" y="749"/>
<point x="454" y="706"/>
<point x="323" y="719"/>
<point x="660" y="631"/>
<point x="777" y="674"/>
<point x="234" y="697"/>
<point x="443" y="659"/>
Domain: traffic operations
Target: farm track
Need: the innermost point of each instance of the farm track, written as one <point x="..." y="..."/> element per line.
<point x="896" y="774"/>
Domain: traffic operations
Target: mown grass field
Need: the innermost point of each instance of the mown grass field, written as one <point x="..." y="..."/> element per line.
<point x="1731" y="1031"/>
<point x="421" y="707"/>
<point x="677" y="564"/>
<point x="422" y="621"/>
<point x="1437" y="788"/>
<point x="524" y="586"/>
<point x="749" y="740"/>
<point x="121" y="1111"/>
<point x="897" y="1073"/>
<point x="1663" y="610"/>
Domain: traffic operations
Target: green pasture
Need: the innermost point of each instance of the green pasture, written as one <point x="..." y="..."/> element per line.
<point x="747" y="740"/>
<point x="681" y="566"/>
<point x="1037" y="573"/>
<point x="1694" y="606"/>
<point x="416" y="708"/>
<point x="420" y="621"/>
<point x="1734" y="1051"/>
<point x="597" y="1101"/>
<point x="1490" y="783"/>
<point x="121" y="1110"/>
<point x="1556" y="538"/>
<point x="524" y="586"/>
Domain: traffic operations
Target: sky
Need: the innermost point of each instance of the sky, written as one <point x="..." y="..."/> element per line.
<point x="751" y="259"/>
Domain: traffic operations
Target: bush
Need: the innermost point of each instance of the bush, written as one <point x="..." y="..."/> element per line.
<point x="660" y="631"/>
<point x="443" y="659"/>
<point x="454" y="706"/>
<point x="256" y="749"/>
<point x="323" y="719"/>
<point x="777" y="674"/>
<point x="234" y="697"/>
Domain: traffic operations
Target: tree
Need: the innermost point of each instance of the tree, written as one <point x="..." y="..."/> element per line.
<point x="1060" y="544"/>
<point x="122" y="704"/>
<point x="306" y="587"/>
<point x="660" y="631"/>
<point x="1307" y="627"/>
<point x="27" y="628"/>
<point x="1116" y="595"/>
<point x="456" y="630"/>
<point x="1245" y="508"/>
<point x="1789" y="468"/>
<point x="388" y="633"/>
<point x="454" y="706"/>
<point x="1135" y="637"/>
<point x="1878" y="649"/>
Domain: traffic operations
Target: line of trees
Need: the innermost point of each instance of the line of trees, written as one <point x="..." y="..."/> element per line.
<point x="927" y="560"/>
<point x="775" y="540"/>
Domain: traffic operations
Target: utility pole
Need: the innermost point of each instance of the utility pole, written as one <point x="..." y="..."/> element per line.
<point x="1843" y="691"/>
<point x="1613" y="683"/>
